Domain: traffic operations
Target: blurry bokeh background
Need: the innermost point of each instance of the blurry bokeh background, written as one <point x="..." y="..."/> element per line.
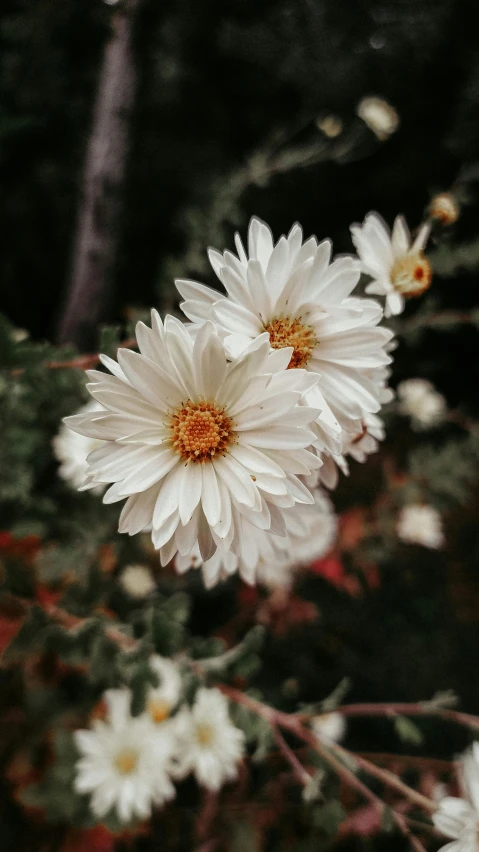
<point x="253" y="107"/>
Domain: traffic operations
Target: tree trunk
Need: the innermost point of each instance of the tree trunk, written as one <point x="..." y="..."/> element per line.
<point x="96" y="238"/>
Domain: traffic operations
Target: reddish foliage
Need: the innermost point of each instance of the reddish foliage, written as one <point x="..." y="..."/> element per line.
<point x="97" y="839"/>
<point x="21" y="548"/>
<point x="9" y="628"/>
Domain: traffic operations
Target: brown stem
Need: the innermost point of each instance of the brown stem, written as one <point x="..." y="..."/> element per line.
<point x="83" y="362"/>
<point x="409" y="709"/>
<point x="301" y="773"/>
<point x="97" y="232"/>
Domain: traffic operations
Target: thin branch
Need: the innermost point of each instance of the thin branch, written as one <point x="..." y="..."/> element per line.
<point x="300" y="772"/>
<point x="418" y="708"/>
<point x="83" y="362"/>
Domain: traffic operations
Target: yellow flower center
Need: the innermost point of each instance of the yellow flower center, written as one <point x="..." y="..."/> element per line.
<point x="200" y="431"/>
<point x="126" y="761"/>
<point x="204" y="734"/>
<point x="411" y="275"/>
<point x="158" y="709"/>
<point x="285" y="331"/>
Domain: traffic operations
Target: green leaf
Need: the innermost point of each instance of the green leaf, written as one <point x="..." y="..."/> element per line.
<point x="329" y="817"/>
<point x="408" y="731"/>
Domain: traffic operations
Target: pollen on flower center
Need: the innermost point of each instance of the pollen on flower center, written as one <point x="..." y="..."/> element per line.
<point x="126" y="761"/>
<point x="284" y="331"/>
<point x="200" y="431"/>
<point x="158" y="710"/>
<point x="204" y="734"/>
<point x="411" y="275"/>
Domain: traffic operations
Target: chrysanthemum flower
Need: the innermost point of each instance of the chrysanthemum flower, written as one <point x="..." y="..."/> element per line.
<point x="458" y="819"/>
<point x="207" y="742"/>
<point x="397" y="265"/>
<point x="292" y="292"/>
<point x="419" y="524"/>
<point x="162" y="700"/>
<point x="196" y="442"/>
<point x="125" y="762"/>
<point x="270" y="559"/>
<point x="329" y="727"/>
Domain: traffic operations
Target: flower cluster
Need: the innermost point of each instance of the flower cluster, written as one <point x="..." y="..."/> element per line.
<point x="215" y="430"/>
<point x="129" y="764"/>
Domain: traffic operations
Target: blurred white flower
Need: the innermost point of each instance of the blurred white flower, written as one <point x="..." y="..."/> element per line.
<point x="458" y="819"/>
<point x="72" y="450"/>
<point x="137" y="581"/>
<point x="125" y="762"/>
<point x="396" y="264"/>
<point x="329" y="726"/>
<point x="162" y="700"/>
<point x="420" y="400"/>
<point x="379" y="116"/>
<point x="196" y="442"/>
<point x="208" y="744"/>
<point x="418" y="524"/>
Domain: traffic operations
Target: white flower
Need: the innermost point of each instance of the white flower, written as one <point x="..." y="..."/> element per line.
<point x="137" y="581"/>
<point x="398" y="267"/>
<point x="457" y="818"/>
<point x="379" y="116"/>
<point x="208" y="744"/>
<point x="196" y="442"/>
<point x="419" y="399"/>
<point x="71" y="450"/>
<point x="270" y="559"/>
<point x="329" y="726"/>
<point x="162" y="700"/>
<point x="125" y="762"/>
<point x="418" y="524"/>
<point x="292" y="292"/>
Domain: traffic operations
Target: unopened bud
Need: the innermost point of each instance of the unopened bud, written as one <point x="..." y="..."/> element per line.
<point x="444" y="208"/>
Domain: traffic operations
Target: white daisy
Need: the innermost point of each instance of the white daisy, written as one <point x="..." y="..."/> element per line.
<point x="196" y="442"/>
<point x="162" y="700"/>
<point x="301" y="300"/>
<point x="420" y="400"/>
<point x="267" y="558"/>
<point x="458" y="819"/>
<point x="208" y="744"/>
<point x="137" y="581"/>
<point x="397" y="266"/>
<point x="71" y="449"/>
<point x="418" y="524"/>
<point x="125" y="762"/>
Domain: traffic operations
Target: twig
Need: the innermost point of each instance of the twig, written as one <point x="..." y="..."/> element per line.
<point x="83" y="362"/>
<point x="301" y="773"/>
<point x="410" y="709"/>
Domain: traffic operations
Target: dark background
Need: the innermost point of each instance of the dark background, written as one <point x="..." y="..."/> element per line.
<point x="217" y="83"/>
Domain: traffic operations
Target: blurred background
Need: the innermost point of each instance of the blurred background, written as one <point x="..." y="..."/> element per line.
<point x="133" y="135"/>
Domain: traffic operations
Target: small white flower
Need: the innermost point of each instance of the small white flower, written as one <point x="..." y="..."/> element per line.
<point x="419" y="399"/>
<point x="71" y="450"/>
<point x="196" y="442"/>
<point x="137" y="581"/>
<point x="418" y="524"/>
<point x="125" y="762"/>
<point x="162" y="700"/>
<point x="458" y="819"/>
<point x="208" y="744"/>
<point x="379" y="116"/>
<point x="294" y="293"/>
<point x="398" y="267"/>
<point x="268" y="558"/>
<point x="329" y="726"/>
